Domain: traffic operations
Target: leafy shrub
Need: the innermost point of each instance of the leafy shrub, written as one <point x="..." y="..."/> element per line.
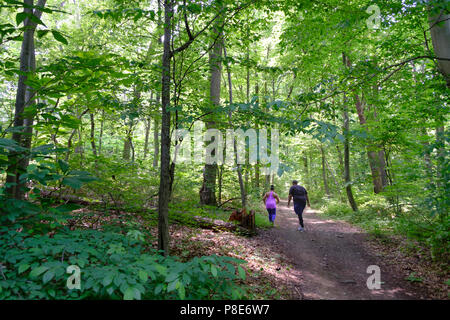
<point x="376" y="207"/>
<point x="113" y="266"/>
<point x="433" y="232"/>
<point x="36" y="250"/>
<point x="118" y="182"/>
<point x="337" y="209"/>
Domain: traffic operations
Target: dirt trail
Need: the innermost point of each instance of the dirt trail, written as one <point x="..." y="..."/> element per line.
<point x="332" y="259"/>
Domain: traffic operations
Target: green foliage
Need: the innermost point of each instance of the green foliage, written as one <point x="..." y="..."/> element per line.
<point x="113" y="266"/>
<point x="412" y="278"/>
<point x="118" y="182"/>
<point x="379" y="218"/>
<point x="336" y="209"/>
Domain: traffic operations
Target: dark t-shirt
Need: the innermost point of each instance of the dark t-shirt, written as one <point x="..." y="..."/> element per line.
<point x="298" y="193"/>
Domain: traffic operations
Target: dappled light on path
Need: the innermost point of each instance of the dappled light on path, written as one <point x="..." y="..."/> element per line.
<point x="332" y="258"/>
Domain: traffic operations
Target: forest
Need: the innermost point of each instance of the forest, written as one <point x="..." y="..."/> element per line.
<point x="138" y="139"/>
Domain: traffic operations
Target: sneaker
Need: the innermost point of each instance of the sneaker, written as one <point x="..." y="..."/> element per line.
<point x="301" y="229"/>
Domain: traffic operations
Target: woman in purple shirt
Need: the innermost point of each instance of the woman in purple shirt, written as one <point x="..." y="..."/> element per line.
<point x="271" y="200"/>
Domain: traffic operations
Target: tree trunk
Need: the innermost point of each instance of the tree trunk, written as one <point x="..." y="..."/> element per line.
<point x="220" y="179"/>
<point x="341" y="160"/>
<point x="208" y="190"/>
<point x="347" y="176"/>
<point x="306" y="168"/>
<point x="440" y="35"/>
<point x="257" y="167"/>
<point x="440" y="159"/>
<point x="164" y="185"/>
<point x="381" y="162"/>
<point x="24" y="97"/>
<point x="94" y="148"/>
<point x="324" y="173"/>
<point x="100" y="138"/>
<point x="69" y="142"/>
<point x="147" y="136"/>
<point x="372" y="155"/>
<point x="126" y="153"/>
<point x="239" y="167"/>
<point x="155" y="142"/>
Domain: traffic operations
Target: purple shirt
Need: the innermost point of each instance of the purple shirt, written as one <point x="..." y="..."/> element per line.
<point x="270" y="201"/>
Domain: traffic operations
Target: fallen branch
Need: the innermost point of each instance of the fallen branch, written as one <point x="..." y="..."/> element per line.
<point x="227" y="202"/>
<point x="220" y="225"/>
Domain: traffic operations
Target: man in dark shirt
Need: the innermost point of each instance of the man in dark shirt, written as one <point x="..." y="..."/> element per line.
<point x="300" y="196"/>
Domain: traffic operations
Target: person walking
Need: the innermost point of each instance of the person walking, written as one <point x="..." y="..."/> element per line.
<point x="271" y="200"/>
<point x="300" y="196"/>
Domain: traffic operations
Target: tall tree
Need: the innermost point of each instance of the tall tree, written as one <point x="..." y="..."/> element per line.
<point x="372" y="154"/>
<point x="440" y="35"/>
<point x="347" y="175"/>
<point x="230" y="118"/>
<point x="24" y="97"/>
<point x="208" y="190"/>
<point x="164" y="181"/>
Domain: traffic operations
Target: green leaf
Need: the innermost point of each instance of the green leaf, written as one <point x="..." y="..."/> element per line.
<point x="42" y="33"/>
<point x="72" y="182"/>
<point x="20" y="17"/>
<point x="132" y="293"/>
<point x="214" y="271"/>
<point x="65" y="208"/>
<point x="38" y="271"/>
<point x="161" y="269"/>
<point x="143" y="275"/>
<point x="172" y="286"/>
<point x="137" y="294"/>
<point x="241" y="272"/>
<point x="108" y="279"/>
<point x="63" y="165"/>
<point x="23" y="268"/>
<point x="171" y="277"/>
<point x="48" y="276"/>
<point x="59" y="37"/>
<point x="181" y="291"/>
<point x="129" y="294"/>
<point x="159" y="288"/>
<point x="36" y="20"/>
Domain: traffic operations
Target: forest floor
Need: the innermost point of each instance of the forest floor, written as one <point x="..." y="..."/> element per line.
<point x="333" y="257"/>
<point x="328" y="261"/>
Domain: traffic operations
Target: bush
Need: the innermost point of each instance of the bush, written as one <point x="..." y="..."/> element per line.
<point x="337" y="209"/>
<point x="118" y="182"/>
<point x="435" y="233"/>
<point x="113" y="266"/>
<point x="376" y="207"/>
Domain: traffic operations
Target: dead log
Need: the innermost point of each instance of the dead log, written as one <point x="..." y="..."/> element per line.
<point x="68" y="198"/>
<point x="221" y="226"/>
<point x="208" y="223"/>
